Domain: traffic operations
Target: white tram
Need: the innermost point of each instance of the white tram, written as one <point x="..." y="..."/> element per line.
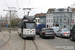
<point x="26" y="27"/>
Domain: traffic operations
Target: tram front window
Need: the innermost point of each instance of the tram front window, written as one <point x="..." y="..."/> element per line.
<point x="30" y="25"/>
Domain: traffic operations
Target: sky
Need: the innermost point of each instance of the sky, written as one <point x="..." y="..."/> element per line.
<point x="40" y="6"/>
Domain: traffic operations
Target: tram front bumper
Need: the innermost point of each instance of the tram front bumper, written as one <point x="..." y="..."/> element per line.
<point x="30" y="35"/>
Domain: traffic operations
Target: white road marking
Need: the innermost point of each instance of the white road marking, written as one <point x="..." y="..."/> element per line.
<point x="63" y="39"/>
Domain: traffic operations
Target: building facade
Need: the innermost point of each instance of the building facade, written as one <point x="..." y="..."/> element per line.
<point x="40" y="18"/>
<point x="62" y="17"/>
<point x="49" y="20"/>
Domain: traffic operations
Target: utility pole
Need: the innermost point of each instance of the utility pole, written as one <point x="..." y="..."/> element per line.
<point x="10" y="22"/>
<point x="10" y="18"/>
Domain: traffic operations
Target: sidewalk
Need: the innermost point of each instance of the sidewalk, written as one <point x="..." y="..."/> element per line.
<point x="15" y="42"/>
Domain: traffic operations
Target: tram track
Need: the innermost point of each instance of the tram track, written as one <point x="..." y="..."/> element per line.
<point x="3" y="36"/>
<point x="24" y="44"/>
<point x="6" y="42"/>
<point x="36" y="47"/>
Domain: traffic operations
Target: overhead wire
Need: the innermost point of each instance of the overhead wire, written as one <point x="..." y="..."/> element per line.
<point x="17" y="3"/>
<point x="28" y="3"/>
<point x="6" y="4"/>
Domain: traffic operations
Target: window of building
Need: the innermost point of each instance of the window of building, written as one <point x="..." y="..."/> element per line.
<point x="67" y="9"/>
<point x="71" y="20"/>
<point x="57" y="20"/>
<point x="60" y="20"/>
<point x="64" y="15"/>
<point x="64" y="20"/>
<point x="68" y="20"/>
<point x="49" y="17"/>
<point x="64" y="26"/>
<point x="46" y="20"/>
<point x="60" y="16"/>
<point x="54" y="20"/>
<point x="38" y="20"/>
<point x="49" y="20"/>
<point x="57" y="16"/>
<point x="47" y="26"/>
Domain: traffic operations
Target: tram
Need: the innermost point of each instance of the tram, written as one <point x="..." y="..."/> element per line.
<point x="27" y="27"/>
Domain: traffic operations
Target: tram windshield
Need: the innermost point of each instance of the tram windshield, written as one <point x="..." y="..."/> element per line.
<point x="30" y="25"/>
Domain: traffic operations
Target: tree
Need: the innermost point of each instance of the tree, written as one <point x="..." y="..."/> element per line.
<point x="15" y="21"/>
<point x="14" y="18"/>
<point x="4" y="20"/>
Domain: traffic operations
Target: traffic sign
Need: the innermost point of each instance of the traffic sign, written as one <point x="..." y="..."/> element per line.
<point x="57" y="23"/>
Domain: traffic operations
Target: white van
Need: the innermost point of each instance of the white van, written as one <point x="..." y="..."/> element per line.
<point x="55" y="29"/>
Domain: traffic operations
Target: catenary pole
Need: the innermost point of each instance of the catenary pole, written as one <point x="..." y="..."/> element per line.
<point x="10" y="18"/>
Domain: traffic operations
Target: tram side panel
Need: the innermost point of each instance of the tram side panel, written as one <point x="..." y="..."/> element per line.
<point x="19" y="30"/>
<point x="19" y="27"/>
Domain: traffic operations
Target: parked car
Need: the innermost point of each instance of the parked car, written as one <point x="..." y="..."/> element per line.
<point x="72" y="35"/>
<point x="47" y="32"/>
<point x="63" y="32"/>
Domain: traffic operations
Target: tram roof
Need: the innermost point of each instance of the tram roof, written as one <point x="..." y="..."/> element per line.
<point x="28" y="17"/>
